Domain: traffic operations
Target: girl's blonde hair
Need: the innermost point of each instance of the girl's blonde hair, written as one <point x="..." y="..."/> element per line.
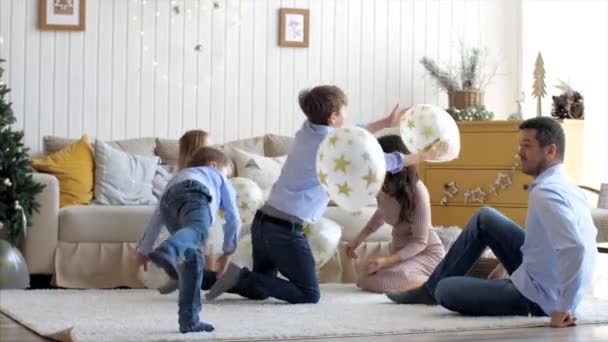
<point x="189" y="143"/>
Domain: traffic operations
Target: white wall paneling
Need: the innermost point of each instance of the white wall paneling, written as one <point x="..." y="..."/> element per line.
<point x="135" y="70"/>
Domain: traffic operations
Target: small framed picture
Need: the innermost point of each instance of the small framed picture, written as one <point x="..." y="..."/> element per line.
<point x="62" y="15"/>
<point x="293" y="27"/>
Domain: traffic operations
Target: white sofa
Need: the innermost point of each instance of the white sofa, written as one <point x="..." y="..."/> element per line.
<point x="92" y="246"/>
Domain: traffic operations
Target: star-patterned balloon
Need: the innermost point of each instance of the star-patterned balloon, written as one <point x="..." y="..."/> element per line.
<point x="423" y="124"/>
<point x="249" y="198"/>
<point x="243" y="256"/>
<point x="351" y="167"/>
<point x="323" y="238"/>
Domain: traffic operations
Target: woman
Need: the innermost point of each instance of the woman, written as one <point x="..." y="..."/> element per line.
<point x="415" y="249"/>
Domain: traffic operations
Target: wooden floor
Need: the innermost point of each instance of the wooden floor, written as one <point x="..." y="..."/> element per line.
<point x="11" y="331"/>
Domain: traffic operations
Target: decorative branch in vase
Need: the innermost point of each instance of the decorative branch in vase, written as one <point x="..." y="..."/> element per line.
<point x="465" y="83"/>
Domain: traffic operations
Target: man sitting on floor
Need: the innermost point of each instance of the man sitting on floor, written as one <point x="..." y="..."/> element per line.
<point x="551" y="263"/>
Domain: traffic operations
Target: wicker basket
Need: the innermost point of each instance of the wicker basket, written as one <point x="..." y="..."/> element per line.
<point x="461" y="99"/>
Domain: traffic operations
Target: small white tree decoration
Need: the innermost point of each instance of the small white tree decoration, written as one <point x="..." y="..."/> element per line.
<point x="538" y="88"/>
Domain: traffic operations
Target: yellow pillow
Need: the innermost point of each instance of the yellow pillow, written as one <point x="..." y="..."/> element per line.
<point x="74" y="167"/>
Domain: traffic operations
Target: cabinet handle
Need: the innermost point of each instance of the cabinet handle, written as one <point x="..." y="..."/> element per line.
<point x="526" y="186"/>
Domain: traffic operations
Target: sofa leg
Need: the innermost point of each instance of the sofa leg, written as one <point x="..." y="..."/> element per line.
<point x="41" y="281"/>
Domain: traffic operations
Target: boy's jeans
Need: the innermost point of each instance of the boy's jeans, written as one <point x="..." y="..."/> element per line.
<point x="279" y="245"/>
<point x="473" y="296"/>
<point x="185" y="210"/>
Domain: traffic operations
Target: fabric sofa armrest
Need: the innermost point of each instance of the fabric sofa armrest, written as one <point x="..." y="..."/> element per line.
<point x="42" y="236"/>
<point x="600" y="218"/>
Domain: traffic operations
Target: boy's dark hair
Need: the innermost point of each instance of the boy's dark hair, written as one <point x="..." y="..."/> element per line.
<point x="319" y="102"/>
<point x="548" y="131"/>
<point x="402" y="185"/>
<point x="205" y="155"/>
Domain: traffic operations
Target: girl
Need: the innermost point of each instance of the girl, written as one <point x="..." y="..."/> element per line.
<point x="415" y="250"/>
<point x="189" y="143"/>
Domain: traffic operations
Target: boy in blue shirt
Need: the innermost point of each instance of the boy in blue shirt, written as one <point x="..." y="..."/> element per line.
<point x="188" y="207"/>
<point x="278" y="241"/>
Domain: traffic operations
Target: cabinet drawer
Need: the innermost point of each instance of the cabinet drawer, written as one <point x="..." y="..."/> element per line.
<point x="453" y="215"/>
<point x="487" y="149"/>
<point x="487" y="144"/>
<point x="466" y="179"/>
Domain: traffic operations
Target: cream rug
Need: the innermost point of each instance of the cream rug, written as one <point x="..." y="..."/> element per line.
<point x="144" y="315"/>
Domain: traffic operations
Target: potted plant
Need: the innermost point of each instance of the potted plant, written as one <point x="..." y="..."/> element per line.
<point x="465" y="83"/>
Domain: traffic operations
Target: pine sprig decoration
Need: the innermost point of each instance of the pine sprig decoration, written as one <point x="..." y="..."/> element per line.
<point x="17" y="188"/>
<point x="471" y="74"/>
<point x="444" y="78"/>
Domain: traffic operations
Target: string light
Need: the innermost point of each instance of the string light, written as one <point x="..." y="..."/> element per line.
<point x="176" y="9"/>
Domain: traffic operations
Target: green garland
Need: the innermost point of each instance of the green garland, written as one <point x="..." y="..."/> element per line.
<point x="474" y="113"/>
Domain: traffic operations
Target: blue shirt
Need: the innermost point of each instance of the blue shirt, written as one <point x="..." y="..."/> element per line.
<point x="298" y="192"/>
<point x="559" y="249"/>
<point x="223" y="196"/>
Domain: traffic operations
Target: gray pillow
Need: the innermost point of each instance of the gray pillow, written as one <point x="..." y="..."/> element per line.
<point x="161" y="179"/>
<point x="122" y="178"/>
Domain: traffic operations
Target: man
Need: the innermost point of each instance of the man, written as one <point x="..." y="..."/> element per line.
<point x="550" y="263"/>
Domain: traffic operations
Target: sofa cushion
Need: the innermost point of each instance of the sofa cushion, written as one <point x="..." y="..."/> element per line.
<point x="252" y="145"/>
<point x="123" y="178"/>
<point x="167" y="150"/>
<point x="103" y="223"/>
<point x="139" y="146"/>
<point x="277" y="145"/>
<point x="73" y="166"/>
<point x="264" y="171"/>
<point x="352" y="223"/>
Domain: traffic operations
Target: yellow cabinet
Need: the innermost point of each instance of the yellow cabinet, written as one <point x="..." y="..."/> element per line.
<point x="486" y="172"/>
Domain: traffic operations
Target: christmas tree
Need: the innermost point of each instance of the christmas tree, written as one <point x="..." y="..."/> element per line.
<point x="17" y="188"/>
<point x="538" y="88"/>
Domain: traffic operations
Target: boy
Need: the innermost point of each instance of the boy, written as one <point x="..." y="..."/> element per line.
<point x="278" y="241"/>
<point x="188" y="208"/>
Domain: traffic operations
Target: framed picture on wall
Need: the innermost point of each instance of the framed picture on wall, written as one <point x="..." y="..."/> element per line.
<point x="62" y="15"/>
<point x="293" y="27"/>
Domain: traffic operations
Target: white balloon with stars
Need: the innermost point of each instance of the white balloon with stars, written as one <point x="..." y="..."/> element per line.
<point x="423" y="124"/>
<point x="351" y="167"/>
<point x="249" y="198"/>
<point x="323" y="238"/>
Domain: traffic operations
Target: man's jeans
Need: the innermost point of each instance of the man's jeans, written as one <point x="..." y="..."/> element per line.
<point x="185" y="211"/>
<point x="473" y="296"/>
<point x="279" y="245"/>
